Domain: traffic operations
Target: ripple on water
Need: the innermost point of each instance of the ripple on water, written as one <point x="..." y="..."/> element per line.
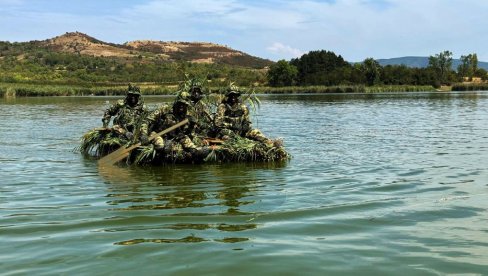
<point x="378" y="184"/>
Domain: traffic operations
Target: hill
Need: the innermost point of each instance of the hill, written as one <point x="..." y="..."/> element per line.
<point x="422" y="62"/>
<point x="148" y="50"/>
<point x="75" y="58"/>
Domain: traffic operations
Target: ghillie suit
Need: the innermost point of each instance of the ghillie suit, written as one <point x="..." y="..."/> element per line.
<point x="240" y="149"/>
<point x="101" y="141"/>
<point x="128" y="114"/>
<point x="232" y="118"/>
<point x="176" y="146"/>
<point x="211" y="116"/>
<point x="193" y="92"/>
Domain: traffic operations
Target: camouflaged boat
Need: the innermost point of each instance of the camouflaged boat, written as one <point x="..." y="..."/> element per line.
<point x="100" y="142"/>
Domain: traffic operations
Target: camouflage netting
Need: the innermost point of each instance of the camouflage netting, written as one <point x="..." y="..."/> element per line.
<point x="100" y="142"/>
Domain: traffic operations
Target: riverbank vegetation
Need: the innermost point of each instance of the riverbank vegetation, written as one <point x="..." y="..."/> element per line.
<point x="328" y="69"/>
<point x="36" y="90"/>
<point x="27" y="69"/>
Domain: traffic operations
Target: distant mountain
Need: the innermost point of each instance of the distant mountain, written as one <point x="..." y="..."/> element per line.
<point x="148" y="50"/>
<point x="422" y="62"/>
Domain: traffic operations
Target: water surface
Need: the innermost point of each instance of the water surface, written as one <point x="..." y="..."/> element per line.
<point x="378" y="184"/>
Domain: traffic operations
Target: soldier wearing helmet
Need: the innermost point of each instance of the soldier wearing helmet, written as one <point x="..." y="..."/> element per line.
<point x="198" y="109"/>
<point x="179" y="141"/>
<point x="127" y="113"/>
<point x="232" y="118"/>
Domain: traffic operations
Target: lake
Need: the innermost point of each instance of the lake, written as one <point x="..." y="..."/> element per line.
<point x="379" y="184"/>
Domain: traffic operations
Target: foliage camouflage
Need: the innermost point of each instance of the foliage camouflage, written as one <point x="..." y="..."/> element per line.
<point x="100" y="142"/>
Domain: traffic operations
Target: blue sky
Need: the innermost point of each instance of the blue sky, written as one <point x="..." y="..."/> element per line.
<point x="273" y="29"/>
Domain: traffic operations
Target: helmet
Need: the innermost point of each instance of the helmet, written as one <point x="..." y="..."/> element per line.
<point x="183" y="95"/>
<point x="232" y="89"/>
<point x="133" y="90"/>
<point x="195" y="84"/>
<point x="195" y="88"/>
<point x="181" y="101"/>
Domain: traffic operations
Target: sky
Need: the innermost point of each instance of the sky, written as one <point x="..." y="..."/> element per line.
<point x="271" y="29"/>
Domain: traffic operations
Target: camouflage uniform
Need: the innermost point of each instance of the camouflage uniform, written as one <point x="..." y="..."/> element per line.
<point x="198" y="110"/>
<point x="127" y="116"/>
<point x="152" y="124"/>
<point x="233" y="119"/>
<point x="178" y="141"/>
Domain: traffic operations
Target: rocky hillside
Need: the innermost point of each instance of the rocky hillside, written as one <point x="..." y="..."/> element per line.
<point x="83" y="44"/>
<point x="76" y="58"/>
<point x="198" y="52"/>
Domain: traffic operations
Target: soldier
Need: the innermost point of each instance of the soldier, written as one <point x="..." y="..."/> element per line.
<point x="198" y="109"/>
<point x="180" y="139"/>
<point x="232" y="118"/>
<point x="128" y="113"/>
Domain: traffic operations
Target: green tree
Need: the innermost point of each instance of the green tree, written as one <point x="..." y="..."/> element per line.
<point x="282" y="73"/>
<point x="481" y="73"/>
<point x="468" y="66"/>
<point x="320" y="68"/>
<point x="473" y="63"/>
<point x="463" y="68"/>
<point x="441" y="63"/>
<point x="397" y="75"/>
<point x="371" y="70"/>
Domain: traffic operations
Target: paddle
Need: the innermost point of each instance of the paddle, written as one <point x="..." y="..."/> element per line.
<point x="123" y="152"/>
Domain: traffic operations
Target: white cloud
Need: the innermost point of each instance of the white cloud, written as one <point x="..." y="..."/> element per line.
<point x="284" y="50"/>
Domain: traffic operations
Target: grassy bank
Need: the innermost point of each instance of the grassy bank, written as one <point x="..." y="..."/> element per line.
<point x="36" y="90"/>
<point x="343" y="89"/>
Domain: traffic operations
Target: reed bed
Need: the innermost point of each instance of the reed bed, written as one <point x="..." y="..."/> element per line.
<point x="343" y="89"/>
<point x="38" y="90"/>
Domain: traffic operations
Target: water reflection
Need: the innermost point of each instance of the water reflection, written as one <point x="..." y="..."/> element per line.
<point x="176" y="200"/>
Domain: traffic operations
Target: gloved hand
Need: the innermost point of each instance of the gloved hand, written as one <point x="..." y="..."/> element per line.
<point x="144" y="139"/>
<point x="168" y="146"/>
<point x="129" y="135"/>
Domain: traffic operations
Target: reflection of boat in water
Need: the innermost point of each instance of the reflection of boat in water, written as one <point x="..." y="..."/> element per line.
<point x="100" y="142"/>
<point x="187" y="203"/>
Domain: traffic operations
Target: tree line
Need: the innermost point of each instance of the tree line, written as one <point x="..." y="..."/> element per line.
<point x="29" y="63"/>
<point x="326" y="68"/>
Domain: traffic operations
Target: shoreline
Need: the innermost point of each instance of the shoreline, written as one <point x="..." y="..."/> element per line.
<point x="8" y="90"/>
<point x="41" y="90"/>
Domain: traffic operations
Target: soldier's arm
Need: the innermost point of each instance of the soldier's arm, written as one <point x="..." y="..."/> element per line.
<point x="111" y="111"/>
<point x="149" y="121"/>
<point x="246" y="120"/>
<point x="220" y="117"/>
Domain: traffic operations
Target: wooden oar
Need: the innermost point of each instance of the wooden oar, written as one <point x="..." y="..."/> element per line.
<point x="213" y="141"/>
<point x="123" y="152"/>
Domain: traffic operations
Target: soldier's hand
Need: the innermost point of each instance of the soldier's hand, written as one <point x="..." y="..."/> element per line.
<point x="144" y="139"/>
<point x="129" y="135"/>
<point x="168" y="146"/>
